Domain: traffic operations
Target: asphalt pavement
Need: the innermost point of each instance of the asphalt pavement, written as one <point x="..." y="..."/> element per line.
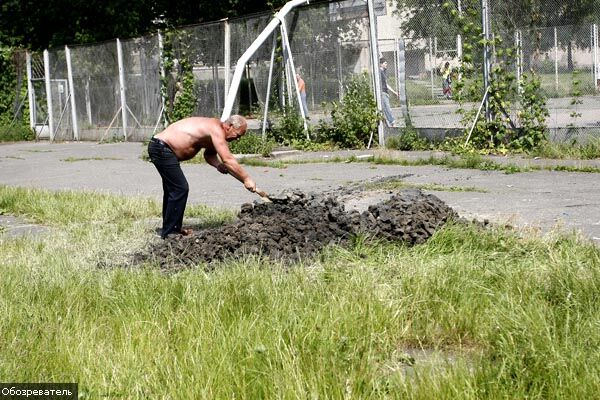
<point x="540" y="199"/>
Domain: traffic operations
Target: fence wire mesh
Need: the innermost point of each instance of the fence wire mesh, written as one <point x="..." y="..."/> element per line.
<point x="328" y="43"/>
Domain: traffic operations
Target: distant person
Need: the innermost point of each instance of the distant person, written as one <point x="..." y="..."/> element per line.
<point x="385" y="96"/>
<point x="447" y="81"/>
<point x="181" y="141"/>
<point x="302" y="90"/>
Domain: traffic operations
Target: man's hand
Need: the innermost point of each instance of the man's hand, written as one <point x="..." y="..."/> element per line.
<point x="250" y="185"/>
<point x="222" y="168"/>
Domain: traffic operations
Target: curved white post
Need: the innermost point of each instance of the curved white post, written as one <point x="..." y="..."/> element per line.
<point x="241" y="64"/>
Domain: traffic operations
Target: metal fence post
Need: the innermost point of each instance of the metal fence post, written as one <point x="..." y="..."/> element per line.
<point x="72" y="93"/>
<point x="339" y="70"/>
<point x="431" y="65"/>
<point x="122" y="88"/>
<point x="596" y="66"/>
<point x="163" y="78"/>
<point x="48" y="93"/>
<point x="486" y="55"/>
<point x="556" y="59"/>
<point x="459" y="37"/>
<point x="227" y="55"/>
<point x="375" y="62"/>
<point x="519" y="60"/>
<point x="30" y="94"/>
<point x="401" y="76"/>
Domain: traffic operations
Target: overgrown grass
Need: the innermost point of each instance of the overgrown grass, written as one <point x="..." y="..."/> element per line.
<point x="472" y="314"/>
<point x="584" y="151"/>
<point x="16" y="133"/>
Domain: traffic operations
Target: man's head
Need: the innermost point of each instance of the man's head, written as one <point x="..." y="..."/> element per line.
<point x="235" y="127"/>
<point x="447" y="65"/>
<point x="383" y="63"/>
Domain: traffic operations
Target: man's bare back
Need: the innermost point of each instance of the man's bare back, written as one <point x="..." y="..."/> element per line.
<point x="187" y="136"/>
<point x="181" y="141"/>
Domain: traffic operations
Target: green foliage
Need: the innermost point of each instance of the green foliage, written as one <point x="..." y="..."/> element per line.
<point x="354" y="119"/>
<point x="532" y="115"/>
<point x="7" y="85"/>
<point x="178" y="88"/>
<point x="11" y="128"/>
<point x="502" y="132"/>
<point x="16" y="133"/>
<point x="252" y="143"/>
<point x="575" y="100"/>
<point x="289" y="127"/>
<point x="588" y="150"/>
<point x="408" y="139"/>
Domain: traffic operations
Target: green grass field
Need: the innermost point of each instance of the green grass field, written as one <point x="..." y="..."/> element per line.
<point x="472" y="314"/>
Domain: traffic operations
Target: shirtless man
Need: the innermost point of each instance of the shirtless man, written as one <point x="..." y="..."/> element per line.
<point x="181" y="141"/>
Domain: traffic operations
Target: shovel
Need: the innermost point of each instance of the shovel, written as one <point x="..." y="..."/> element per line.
<point x="263" y="195"/>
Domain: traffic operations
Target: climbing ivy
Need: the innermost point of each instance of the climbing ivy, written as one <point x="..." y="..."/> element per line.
<point x="7" y="85"/>
<point x="506" y="129"/>
<point x="178" y="84"/>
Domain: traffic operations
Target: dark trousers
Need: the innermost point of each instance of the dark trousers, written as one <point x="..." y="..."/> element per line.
<point x="175" y="186"/>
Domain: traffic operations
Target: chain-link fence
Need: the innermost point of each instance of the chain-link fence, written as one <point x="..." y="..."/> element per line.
<point x="130" y="89"/>
<point x="565" y="58"/>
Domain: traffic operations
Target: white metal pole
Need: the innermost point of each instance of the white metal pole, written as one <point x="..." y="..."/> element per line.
<point x="290" y="58"/>
<point x="596" y="60"/>
<point x="401" y="65"/>
<point x="459" y="37"/>
<point x="375" y="62"/>
<point x="122" y="88"/>
<point x="556" y="59"/>
<point x="397" y="69"/>
<point x="286" y="64"/>
<point x="227" y="55"/>
<point x="72" y="94"/>
<point x="518" y="47"/>
<point x="30" y="94"/>
<point x="88" y="101"/>
<point x="486" y="55"/>
<point x="264" y="122"/>
<point x="431" y="65"/>
<point x="339" y="70"/>
<point x="48" y="93"/>
<point x="239" y="68"/>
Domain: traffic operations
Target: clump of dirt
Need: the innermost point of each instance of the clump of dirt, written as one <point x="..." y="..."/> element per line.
<point x="297" y="225"/>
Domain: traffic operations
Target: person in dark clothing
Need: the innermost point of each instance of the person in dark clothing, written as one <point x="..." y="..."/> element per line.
<point x="181" y="141"/>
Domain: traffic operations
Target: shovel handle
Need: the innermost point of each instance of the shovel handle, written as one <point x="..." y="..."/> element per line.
<point x="262" y="194"/>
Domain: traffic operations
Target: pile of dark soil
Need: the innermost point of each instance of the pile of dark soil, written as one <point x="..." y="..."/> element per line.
<point x="297" y="225"/>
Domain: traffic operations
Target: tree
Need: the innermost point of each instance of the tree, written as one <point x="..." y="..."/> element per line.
<point x="42" y="24"/>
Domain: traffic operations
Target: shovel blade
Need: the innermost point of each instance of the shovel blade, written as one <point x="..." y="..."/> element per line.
<point x="263" y="195"/>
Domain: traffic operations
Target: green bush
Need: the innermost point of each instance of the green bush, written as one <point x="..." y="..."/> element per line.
<point x="409" y="139"/>
<point x="354" y="119"/>
<point x="252" y="143"/>
<point x="289" y="128"/>
<point x="16" y="133"/>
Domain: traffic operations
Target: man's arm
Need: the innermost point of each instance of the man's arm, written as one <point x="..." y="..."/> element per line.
<point x="211" y="158"/>
<point x="229" y="161"/>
